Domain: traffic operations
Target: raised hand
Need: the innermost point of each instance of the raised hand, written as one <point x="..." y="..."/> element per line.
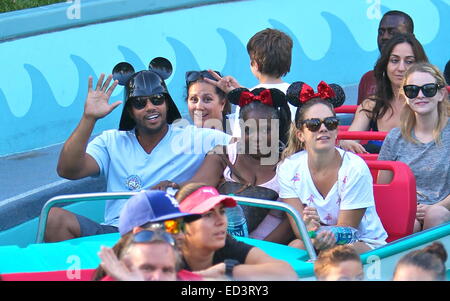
<point x="97" y="105"/>
<point x="226" y="83"/>
<point x="116" y="268"/>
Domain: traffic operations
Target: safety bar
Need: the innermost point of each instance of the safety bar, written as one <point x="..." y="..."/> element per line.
<point x="369" y="157"/>
<point x="84" y="197"/>
<point x="103" y="196"/>
<point x="361" y="135"/>
<point x="351" y="109"/>
<point x="289" y="210"/>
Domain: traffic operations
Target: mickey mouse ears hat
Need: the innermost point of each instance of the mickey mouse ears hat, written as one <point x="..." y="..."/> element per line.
<point x="145" y="83"/>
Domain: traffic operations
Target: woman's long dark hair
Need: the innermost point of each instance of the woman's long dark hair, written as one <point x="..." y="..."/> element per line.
<point x="384" y="95"/>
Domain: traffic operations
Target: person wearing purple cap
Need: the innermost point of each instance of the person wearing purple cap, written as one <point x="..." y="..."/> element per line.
<point x="147" y="148"/>
<point x="149" y="224"/>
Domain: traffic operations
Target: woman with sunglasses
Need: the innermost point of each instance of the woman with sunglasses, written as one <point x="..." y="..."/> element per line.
<point x="207" y="104"/>
<point x="423" y="142"/>
<point x="381" y="112"/>
<point x="327" y="185"/>
<point x="209" y="251"/>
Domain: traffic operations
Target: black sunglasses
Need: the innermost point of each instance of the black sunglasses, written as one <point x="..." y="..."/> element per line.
<point x="146" y="236"/>
<point x="193" y="76"/>
<point x="428" y="90"/>
<point x="141" y="101"/>
<point x="313" y="124"/>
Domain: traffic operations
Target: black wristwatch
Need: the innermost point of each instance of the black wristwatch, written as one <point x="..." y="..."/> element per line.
<point x="229" y="266"/>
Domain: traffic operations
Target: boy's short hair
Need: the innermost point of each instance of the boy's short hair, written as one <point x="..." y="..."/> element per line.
<point x="271" y="49"/>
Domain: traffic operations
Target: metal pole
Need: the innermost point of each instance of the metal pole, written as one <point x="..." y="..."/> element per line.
<point x="85" y="197"/>
<point x="289" y="210"/>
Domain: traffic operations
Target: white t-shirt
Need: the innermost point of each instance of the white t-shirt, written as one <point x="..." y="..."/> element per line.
<point x="127" y="167"/>
<point x="353" y="190"/>
<point x="281" y="86"/>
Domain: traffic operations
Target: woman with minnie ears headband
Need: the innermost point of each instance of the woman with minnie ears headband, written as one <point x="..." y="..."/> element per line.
<point x="327" y="185"/>
<point x="254" y="158"/>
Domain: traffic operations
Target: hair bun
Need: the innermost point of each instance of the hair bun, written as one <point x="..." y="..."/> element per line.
<point x="437" y="248"/>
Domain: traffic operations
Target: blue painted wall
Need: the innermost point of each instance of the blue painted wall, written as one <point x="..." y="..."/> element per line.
<point x="43" y="81"/>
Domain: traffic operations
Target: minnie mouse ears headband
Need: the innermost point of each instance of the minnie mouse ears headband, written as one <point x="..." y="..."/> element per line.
<point x="271" y="97"/>
<point x="124" y="71"/>
<point x="300" y="93"/>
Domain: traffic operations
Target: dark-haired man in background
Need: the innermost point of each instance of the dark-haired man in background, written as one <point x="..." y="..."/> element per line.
<point x="391" y="23"/>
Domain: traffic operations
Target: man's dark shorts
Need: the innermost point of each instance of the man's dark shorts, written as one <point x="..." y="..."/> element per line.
<point x="89" y="227"/>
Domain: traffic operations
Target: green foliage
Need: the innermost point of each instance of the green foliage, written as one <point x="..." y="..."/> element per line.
<point x="10" y="5"/>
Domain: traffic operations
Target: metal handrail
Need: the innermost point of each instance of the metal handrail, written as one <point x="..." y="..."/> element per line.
<point x="289" y="210"/>
<point x="103" y="196"/>
<point x="90" y="197"/>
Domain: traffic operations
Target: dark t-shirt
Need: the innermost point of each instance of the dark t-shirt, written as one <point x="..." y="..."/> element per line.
<point x="233" y="249"/>
<point x="367" y="86"/>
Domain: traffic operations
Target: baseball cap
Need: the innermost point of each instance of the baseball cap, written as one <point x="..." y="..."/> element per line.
<point x="204" y="199"/>
<point x="150" y="206"/>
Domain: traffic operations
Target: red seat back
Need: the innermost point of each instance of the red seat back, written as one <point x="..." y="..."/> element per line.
<point x="84" y="275"/>
<point x="396" y="202"/>
<point x="363" y="136"/>
<point x="351" y="109"/>
<point x="368" y="157"/>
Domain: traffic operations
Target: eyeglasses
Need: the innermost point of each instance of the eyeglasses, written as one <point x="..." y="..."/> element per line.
<point x="141" y="101"/>
<point x="428" y="90"/>
<point x="313" y="124"/>
<point x="173" y="226"/>
<point x="146" y="236"/>
<point x="193" y="76"/>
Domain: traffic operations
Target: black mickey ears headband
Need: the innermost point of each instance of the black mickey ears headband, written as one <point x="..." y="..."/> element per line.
<point x="300" y="93"/>
<point x="271" y="97"/>
<point x="123" y="71"/>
